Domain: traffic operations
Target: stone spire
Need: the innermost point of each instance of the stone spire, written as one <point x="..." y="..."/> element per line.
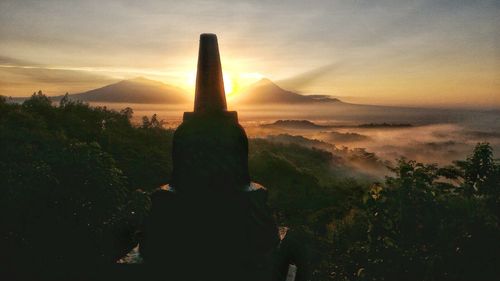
<point x="210" y="95"/>
<point x="210" y="189"/>
<point x="210" y="148"/>
<point x="210" y="98"/>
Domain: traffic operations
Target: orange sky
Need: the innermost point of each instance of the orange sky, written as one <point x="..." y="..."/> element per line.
<point x="418" y="53"/>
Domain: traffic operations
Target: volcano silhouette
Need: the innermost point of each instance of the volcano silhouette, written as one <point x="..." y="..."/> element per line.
<point x="267" y="92"/>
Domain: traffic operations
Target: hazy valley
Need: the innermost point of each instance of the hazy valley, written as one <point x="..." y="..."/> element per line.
<point x="367" y="137"/>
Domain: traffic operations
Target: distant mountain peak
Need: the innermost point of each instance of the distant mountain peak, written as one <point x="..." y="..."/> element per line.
<point x="265" y="81"/>
<point x="145" y="81"/>
<point x="141" y="79"/>
<point x="266" y="91"/>
<point x="136" y="90"/>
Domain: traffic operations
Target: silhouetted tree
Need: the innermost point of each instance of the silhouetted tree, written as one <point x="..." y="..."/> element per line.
<point x="127" y="112"/>
<point x="75" y="183"/>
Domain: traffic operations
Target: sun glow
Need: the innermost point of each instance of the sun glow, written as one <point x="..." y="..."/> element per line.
<point x="228" y="84"/>
<point x="233" y="82"/>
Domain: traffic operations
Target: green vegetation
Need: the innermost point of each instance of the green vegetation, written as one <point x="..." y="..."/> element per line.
<point x="422" y="223"/>
<point x="75" y="183"/>
<point x="72" y="180"/>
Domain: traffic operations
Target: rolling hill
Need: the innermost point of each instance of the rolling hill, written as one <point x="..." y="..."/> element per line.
<point x="295" y="124"/>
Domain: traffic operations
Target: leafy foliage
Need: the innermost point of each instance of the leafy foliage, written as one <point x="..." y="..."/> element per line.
<point x="421" y="226"/>
<point x="423" y="223"/>
<point x="71" y="179"/>
<point x="75" y="183"/>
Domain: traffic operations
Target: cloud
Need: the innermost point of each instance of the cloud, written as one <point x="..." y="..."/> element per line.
<point x="387" y="51"/>
<point x="24" y="80"/>
<point x="483" y="135"/>
<point x="9" y="61"/>
<point x="309" y="77"/>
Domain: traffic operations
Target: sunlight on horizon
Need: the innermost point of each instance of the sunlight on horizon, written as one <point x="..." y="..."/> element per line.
<point x="233" y="82"/>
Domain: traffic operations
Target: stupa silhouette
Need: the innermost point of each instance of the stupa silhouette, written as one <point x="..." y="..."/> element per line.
<point x="210" y="143"/>
<point x="211" y="222"/>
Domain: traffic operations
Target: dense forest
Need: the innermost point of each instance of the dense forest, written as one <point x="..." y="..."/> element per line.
<point x="75" y="182"/>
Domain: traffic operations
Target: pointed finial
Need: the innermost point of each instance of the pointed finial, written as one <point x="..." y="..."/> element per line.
<point x="209" y="95"/>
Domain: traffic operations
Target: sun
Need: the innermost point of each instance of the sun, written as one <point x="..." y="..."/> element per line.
<point x="234" y="81"/>
<point x="229" y="83"/>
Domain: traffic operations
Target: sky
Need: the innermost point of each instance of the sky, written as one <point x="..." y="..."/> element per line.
<point x="418" y="53"/>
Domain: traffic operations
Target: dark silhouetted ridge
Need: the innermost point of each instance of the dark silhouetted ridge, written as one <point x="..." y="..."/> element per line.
<point x="265" y="91"/>
<point x="136" y="90"/>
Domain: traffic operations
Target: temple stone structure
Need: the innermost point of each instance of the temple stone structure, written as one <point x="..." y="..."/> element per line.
<point x="211" y="222"/>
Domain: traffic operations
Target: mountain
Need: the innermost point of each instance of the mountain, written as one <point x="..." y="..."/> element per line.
<point x="266" y="92"/>
<point x="137" y="90"/>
